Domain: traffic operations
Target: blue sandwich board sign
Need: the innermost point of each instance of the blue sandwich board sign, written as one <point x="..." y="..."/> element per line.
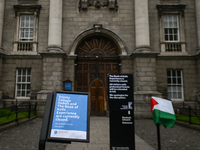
<point x="66" y="118"/>
<point x="69" y="118"/>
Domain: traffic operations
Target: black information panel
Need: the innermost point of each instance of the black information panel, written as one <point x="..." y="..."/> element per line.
<point x="121" y="106"/>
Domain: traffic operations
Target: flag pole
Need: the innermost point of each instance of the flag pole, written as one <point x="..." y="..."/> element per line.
<point x="158" y="136"/>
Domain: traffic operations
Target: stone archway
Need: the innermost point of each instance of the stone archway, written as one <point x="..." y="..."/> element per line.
<point x="96" y="57"/>
<point x="98" y="31"/>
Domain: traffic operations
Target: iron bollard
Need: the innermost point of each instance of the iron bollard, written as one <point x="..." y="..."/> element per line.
<point x="29" y="111"/>
<point x="190" y="115"/>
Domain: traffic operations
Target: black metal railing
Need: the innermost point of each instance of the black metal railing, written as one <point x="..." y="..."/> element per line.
<point x="10" y="108"/>
<point x="188" y="110"/>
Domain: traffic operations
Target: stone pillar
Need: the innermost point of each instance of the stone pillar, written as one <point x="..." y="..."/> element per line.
<point x="198" y="70"/>
<point x="52" y="57"/>
<point x="2" y="5"/>
<point x="52" y="78"/>
<point x="142" y="25"/>
<point x="145" y="84"/>
<point x="197" y="4"/>
<point x="1" y="66"/>
<point x="55" y="26"/>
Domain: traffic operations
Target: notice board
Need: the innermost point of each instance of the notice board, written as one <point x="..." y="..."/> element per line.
<point x="121" y="107"/>
<point x="69" y="119"/>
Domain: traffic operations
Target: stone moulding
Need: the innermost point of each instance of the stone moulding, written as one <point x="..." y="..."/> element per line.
<point x="111" y="4"/>
<point x="170" y="7"/>
<point x="27" y="8"/>
<point x="103" y="31"/>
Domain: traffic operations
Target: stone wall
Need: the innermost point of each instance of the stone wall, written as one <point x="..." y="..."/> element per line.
<point x="190" y="78"/>
<point x="121" y="21"/>
<point x="69" y="70"/>
<point x="126" y="65"/>
<point x="145" y="73"/>
<point x="8" y="78"/>
<point x="52" y="73"/>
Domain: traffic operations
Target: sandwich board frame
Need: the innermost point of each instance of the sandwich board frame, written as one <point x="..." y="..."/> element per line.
<point x="69" y="117"/>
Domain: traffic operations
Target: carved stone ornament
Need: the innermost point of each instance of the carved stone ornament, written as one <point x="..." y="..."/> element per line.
<point x="111" y="4"/>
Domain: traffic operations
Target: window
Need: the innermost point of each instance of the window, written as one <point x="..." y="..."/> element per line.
<point x="171" y="27"/>
<point x="23" y="83"/>
<point x="25" y="37"/>
<point x="26" y="27"/>
<point x="175" y="84"/>
<point x="172" y="34"/>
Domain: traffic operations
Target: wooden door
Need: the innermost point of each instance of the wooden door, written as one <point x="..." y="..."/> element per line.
<point x="96" y="57"/>
<point x="97" y="98"/>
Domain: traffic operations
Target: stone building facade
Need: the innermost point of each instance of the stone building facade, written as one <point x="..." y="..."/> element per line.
<point x="44" y="43"/>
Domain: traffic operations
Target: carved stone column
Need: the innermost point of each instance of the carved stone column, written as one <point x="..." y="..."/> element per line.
<point x="2" y="5"/>
<point x="55" y="26"/>
<point x="142" y="25"/>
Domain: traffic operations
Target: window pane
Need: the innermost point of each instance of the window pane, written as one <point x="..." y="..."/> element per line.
<point x="179" y="80"/>
<point x="169" y="80"/>
<point x="169" y="89"/>
<point x="175" y="89"/>
<point x="166" y="38"/>
<point x="28" y="86"/>
<point x="19" y="79"/>
<point x="23" y="86"/>
<point x="175" y="31"/>
<point x="28" y="79"/>
<point x="26" y="28"/>
<point x="23" y="82"/>
<point x="19" y="71"/>
<point x="23" y="78"/>
<point x="23" y="93"/>
<point x="174" y="80"/>
<point x="166" y="31"/>
<point x="174" y="73"/>
<point x="179" y="95"/>
<point x="24" y="71"/>
<point x="175" y="96"/>
<point x="179" y="73"/>
<point x="29" y="72"/>
<point x="28" y="93"/>
<point x="171" y="37"/>
<point x="179" y="88"/>
<point x="18" y="93"/>
<point x="19" y="86"/>
<point x="169" y="95"/>
<point x="175" y="37"/>
<point x="170" y="31"/>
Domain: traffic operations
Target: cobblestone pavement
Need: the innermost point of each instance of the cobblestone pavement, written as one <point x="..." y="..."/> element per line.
<point x="176" y="138"/>
<point x="26" y="137"/>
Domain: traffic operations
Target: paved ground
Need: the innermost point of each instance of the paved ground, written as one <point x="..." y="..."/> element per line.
<point x="26" y="137"/>
<point x="176" y="138"/>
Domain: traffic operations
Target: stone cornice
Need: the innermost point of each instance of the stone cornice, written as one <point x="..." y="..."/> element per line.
<point x="22" y="56"/>
<point x="53" y="54"/>
<point x="170" y="8"/>
<point x="27" y="8"/>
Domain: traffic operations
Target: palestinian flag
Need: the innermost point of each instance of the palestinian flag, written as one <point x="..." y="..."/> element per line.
<point x="163" y="112"/>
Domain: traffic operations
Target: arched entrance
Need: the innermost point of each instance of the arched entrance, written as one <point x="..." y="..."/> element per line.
<point x="96" y="57"/>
